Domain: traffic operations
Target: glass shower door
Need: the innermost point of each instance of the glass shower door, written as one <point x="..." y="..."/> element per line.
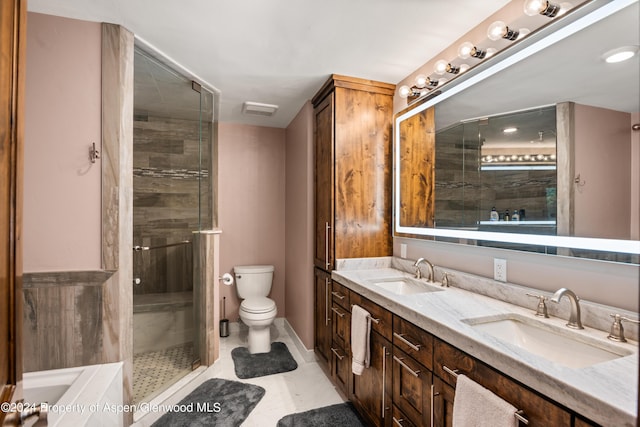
<point x="171" y="195"/>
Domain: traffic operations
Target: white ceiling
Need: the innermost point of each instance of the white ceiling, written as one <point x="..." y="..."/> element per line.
<point x="281" y="51"/>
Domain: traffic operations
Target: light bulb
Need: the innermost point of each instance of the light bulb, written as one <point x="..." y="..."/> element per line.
<point x="440" y="67"/>
<point x="464" y="51"/>
<point x="501" y="158"/>
<point x="464" y="67"/>
<point x="496" y="30"/>
<point x="490" y="52"/>
<point x="499" y="30"/>
<point x="534" y="7"/>
<point x="553" y="157"/>
<point x="421" y="81"/>
<point x="523" y="32"/>
<point x="404" y="91"/>
<point x="442" y="81"/>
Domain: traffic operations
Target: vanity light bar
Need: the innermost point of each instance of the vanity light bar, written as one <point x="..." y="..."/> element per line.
<point x="497" y="30"/>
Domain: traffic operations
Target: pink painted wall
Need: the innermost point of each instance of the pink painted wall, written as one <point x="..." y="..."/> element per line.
<point x="251" y="205"/>
<point x="602" y="158"/>
<point x="299" y="285"/>
<point x="62" y="188"/>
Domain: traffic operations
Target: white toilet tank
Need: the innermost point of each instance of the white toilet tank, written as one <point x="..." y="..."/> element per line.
<point x="253" y="280"/>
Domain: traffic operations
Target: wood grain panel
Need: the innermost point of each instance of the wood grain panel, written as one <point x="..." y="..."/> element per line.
<point x="539" y="411"/>
<point x="362" y="174"/>
<point x="417" y="170"/>
<point x="13" y="15"/>
<point x="323" y="181"/>
<point x="412" y="388"/>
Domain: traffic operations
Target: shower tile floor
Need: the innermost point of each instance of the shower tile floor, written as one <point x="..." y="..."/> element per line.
<point x="302" y="389"/>
<point x="156" y="370"/>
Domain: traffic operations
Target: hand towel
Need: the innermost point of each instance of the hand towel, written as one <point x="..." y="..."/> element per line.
<point x="360" y="328"/>
<point x="475" y="406"/>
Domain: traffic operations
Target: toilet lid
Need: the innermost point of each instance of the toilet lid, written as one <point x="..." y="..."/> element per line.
<point x="258" y="305"/>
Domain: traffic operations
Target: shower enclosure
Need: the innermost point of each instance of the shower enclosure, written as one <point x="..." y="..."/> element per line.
<point x="172" y="199"/>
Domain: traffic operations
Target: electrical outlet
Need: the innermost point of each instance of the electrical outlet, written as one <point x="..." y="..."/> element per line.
<point x="500" y="269"/>
<point x="403" y="250"/>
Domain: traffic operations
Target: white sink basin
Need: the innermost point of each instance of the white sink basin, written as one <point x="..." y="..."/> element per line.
<point x="405" y="286"/>
<point x="559" y="345"/>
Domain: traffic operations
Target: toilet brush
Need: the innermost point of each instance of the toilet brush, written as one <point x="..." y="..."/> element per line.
<point x="224" y="322"/>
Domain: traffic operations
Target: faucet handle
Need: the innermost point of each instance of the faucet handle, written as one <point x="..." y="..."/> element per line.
<point x="617" y="331"/>
<point x="541" y="310"/>
<point x="446" y="279"/>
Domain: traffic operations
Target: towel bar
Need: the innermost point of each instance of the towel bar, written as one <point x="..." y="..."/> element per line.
<point x="373" y="319"/>
<point x="519" y="414"/>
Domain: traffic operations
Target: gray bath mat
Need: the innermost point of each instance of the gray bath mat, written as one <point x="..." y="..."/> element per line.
<point x="216" y="402"/>
<point x="249" y="365"/>
<point x="342" y="414"/>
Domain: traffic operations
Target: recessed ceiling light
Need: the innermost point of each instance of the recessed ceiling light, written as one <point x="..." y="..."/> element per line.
<point x="620" y="54"/>
<point x="510" y="130"/>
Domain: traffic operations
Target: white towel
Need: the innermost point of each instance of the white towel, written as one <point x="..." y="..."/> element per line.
<point x="360" y="328"/>
<point x="475" y="406"/>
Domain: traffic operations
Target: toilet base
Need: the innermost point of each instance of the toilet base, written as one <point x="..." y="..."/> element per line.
<point x="259" y="339"/>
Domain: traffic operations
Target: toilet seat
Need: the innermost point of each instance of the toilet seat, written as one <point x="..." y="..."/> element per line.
<point x="258" y="305"/>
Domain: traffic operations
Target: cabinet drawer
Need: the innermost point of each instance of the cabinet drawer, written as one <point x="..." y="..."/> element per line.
<point x="381" y="318"/>
<point x="340" y="367"/>
<point x="341" y="326"/>
<point x="414" y="341"/>
<point x="340" y="296"/>
<point x="538" y="410"/>
<point x="411" y="388"/>
<point x="399" y="419"/>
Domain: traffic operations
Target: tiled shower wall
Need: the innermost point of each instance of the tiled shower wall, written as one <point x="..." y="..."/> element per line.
<point x="166" y="195"/>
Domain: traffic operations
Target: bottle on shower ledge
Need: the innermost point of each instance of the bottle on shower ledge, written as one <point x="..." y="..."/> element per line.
<point x="506" y="215"/>
<point x="493" y="216"/>
<point x="515" y="216"/>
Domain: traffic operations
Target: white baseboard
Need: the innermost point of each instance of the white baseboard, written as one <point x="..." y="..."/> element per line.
<point x="307" y="355"/>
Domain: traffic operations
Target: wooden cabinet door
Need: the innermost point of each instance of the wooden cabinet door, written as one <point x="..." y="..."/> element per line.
<point x="411" y="388"/>
<point x="340" y="348"/>
<point x="537" y="409"/>
<point x="362" y="199"/>
<point x="322" y="317"/>
<point x="417" y="170"/>
<point x="323" y="183"/>
<point x="371" y="391"/>
<point x="13" y="15"/>
<point x="443" y="395"/>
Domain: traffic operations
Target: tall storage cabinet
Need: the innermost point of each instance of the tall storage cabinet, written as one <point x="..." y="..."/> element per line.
<point x="353" y="163"/>
<point x="353" y="119"/>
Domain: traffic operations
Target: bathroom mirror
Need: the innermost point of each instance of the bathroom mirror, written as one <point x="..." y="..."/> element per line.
<point x="558" y="71"/>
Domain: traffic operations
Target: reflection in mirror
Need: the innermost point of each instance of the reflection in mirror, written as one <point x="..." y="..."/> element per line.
<point x="592" y="207"/>
<point x="498" y="173"/>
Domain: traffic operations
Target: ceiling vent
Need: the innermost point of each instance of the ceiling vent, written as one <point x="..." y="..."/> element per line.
<point x="258" y="109"/>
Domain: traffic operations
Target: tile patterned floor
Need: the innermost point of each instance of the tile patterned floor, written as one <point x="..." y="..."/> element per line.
<point x="157" y="370"/>
<point x="299" y="390"/>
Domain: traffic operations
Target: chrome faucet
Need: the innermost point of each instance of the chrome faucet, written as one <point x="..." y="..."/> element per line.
<point x="574" y="317"/>
<point x="419" y="273"/>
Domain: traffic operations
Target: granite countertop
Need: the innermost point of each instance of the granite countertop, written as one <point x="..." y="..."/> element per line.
<point x="605" y="392"/>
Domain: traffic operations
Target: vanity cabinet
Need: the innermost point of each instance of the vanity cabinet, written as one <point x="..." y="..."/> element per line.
<point x="371" y="392"/>
<point x="412" y="375"/>
<point x="352" y="125"/>
<point x="446" y="359"/>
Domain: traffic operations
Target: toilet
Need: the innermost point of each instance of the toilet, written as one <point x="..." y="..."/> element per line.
<point x="256" y="310"/>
